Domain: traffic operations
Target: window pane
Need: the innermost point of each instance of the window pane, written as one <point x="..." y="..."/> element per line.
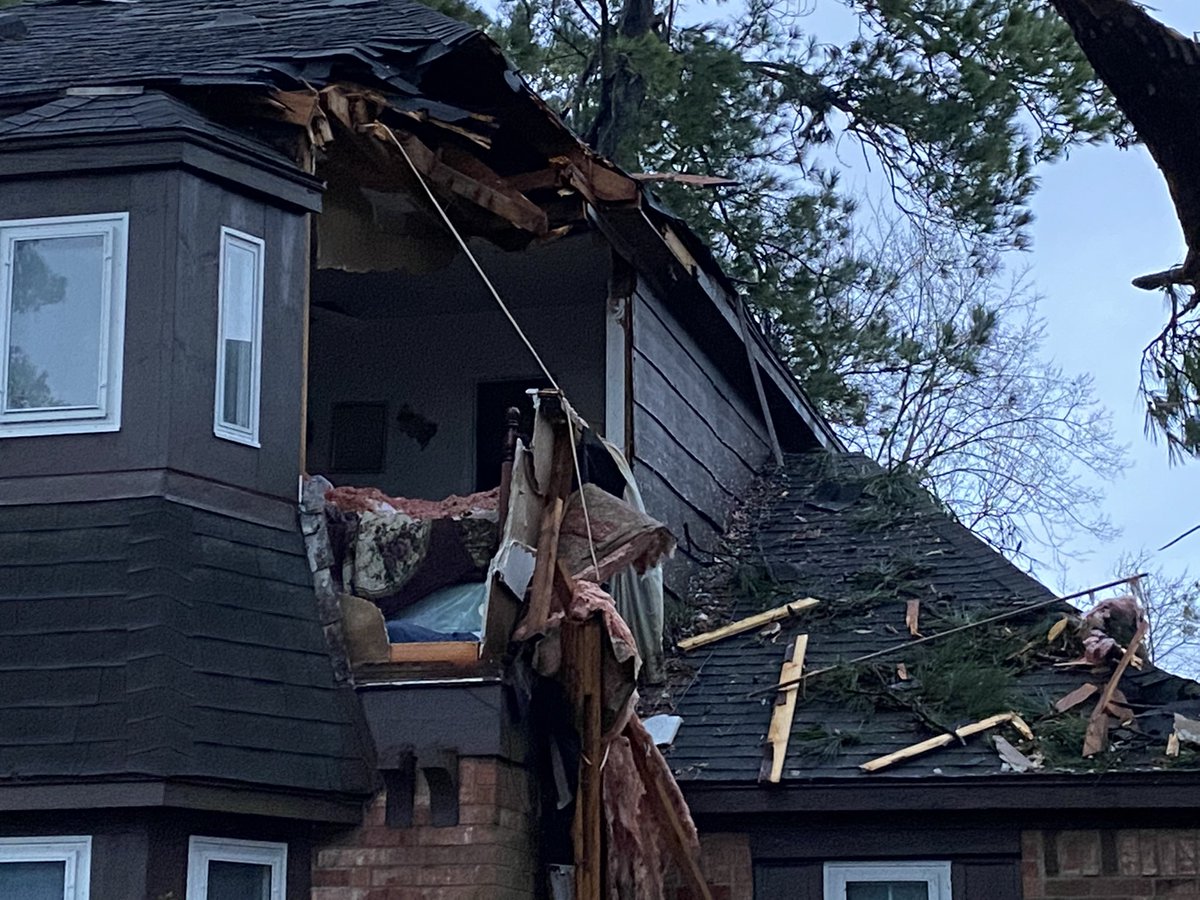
<point x="238" y="292"/>
<point x="238" y="881"/>
<point x="57" y="323"/>
<point x="887" y="890"/>
<point x="235" y="407"/>
<point x="33" y="880"/>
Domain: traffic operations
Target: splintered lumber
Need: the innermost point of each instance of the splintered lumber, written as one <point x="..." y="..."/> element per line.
<point x="741" y="626"/>
<point x="912" y="617"/>
<point x="783" y="713"/>
<point x="1076" y="697"/>
<point x="1096" y="738"/>
<point x="1185" y="730"/>
<point x="943" y="740"/>
<point x="586" y="680"/>
<point x="542" y="584"/>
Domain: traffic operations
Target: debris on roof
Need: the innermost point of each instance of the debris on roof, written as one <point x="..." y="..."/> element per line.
<point x="994" y="643"/>
<point x="944" y="740"/>
<point x="741" y="626"/>
<point x="780" y="730"/>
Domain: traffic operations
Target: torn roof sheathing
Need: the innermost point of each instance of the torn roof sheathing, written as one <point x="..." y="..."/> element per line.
<point x="1154" y="73"/>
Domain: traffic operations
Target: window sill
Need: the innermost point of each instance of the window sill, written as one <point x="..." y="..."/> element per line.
<point x="456" y="653"/>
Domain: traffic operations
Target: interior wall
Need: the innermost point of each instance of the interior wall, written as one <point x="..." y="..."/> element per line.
<point x="422" y="343"/>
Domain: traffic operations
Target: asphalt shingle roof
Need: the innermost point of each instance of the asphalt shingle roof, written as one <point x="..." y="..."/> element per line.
<point x="826" y="533"/>
<point x="143" y="113"/>
<point x="54" y="44"/>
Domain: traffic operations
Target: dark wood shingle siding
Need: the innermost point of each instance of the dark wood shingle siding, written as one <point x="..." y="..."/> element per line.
<point x="698" y="444"/>
<point x="191" y="649"/>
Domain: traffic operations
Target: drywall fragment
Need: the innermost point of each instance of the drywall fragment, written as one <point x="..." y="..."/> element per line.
<point x="1012" y="757"/>
<point x="663" y="729"/>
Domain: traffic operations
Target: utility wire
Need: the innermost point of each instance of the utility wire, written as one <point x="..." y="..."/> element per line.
<point x="1012" y="613"/>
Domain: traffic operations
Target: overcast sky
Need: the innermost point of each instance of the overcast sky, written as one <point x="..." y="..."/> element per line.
<point x="1103" y="217"/>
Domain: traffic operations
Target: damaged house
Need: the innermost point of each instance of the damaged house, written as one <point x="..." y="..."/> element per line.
<point x="355" y="422"/>
<point x="335" y="253"/>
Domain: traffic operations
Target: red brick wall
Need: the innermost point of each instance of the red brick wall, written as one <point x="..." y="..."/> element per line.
<point x="490" y="855"/>
<point x="1133" y="864"/>
<point x="725" y="861"/>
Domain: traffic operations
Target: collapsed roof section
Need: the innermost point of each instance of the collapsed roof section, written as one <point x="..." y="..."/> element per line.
<point x="1154" y="73"/>
<point x="368" y="91"/>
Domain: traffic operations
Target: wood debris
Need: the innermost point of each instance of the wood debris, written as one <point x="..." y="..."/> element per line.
<point x="1077" y="696"/>
<point x="1186" y="731"/>
<point x="943" y="740"/>
<point x="1012" y="757"/>
<point x="741" y="626"/>
<point x="1057" y="629"/>
<point x="912" y="617"/>
<point x="1096" y="738"/>
<point x="686" y="178"/>
<point x="784" y="712"/>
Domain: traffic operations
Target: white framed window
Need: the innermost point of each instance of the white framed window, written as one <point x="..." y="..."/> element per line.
<point x="239" y="337"/>
<point x="227" y="869"/>
<point x="62" y="324"/>
<point x="45" y="868"/>
<point x="887" y="881"/>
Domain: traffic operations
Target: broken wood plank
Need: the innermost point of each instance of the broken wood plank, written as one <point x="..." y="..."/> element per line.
<point x="459" y="653"/>
<point x="538" y="180"/>
<point x="741" y="626"/>
<point x="912" y="617"/>
<point x="1096" y="738"/>
<point x="1077" y="696"/>
<point x="541" y="587"/>
<point x="685" y="178"/>
<point x="586" y="674"/>
<point x="783" y="713"/>
<point x="1173" y="744"/>
<point x="943" y="740"/>
<point x="507" y="204"/>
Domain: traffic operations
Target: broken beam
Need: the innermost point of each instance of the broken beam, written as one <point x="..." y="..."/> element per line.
<point x="783" y="714"/>
<point x="943" y="740"/>
<point x="507" y="204"/>
<point x="741" y="626"/>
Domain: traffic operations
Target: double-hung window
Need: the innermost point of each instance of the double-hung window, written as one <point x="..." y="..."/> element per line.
<point x="887" y="881"/>
<point x="239" y="337"/>
<point x="227" y="869"/>
<point x="62" y="323"/>
<point x="45" y="868"/>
